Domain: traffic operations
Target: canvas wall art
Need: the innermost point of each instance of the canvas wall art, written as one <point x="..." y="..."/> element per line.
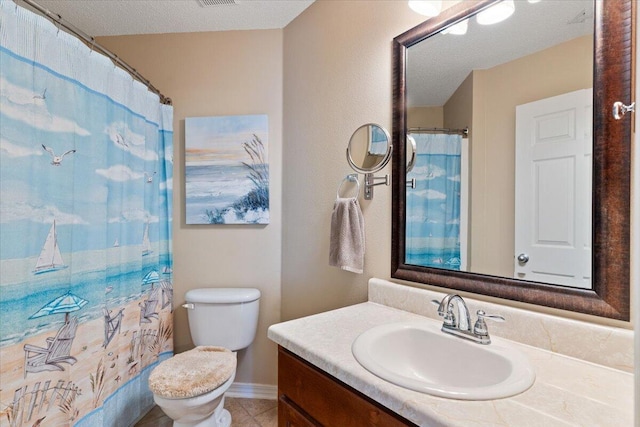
<point x="227" y="170"/>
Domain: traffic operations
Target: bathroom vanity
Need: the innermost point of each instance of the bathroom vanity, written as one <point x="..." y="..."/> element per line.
<point x="307" y="396"/>
<point x="321" y="383"/>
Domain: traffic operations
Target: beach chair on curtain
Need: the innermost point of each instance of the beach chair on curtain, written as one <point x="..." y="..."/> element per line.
<point x="111" y="325"/>
<point x="58" y="350"/>
<point x="167" y="294"/>
<point x="149" y="308"/>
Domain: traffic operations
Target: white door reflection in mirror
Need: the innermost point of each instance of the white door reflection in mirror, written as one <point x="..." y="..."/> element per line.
<point x="553" y="190"/>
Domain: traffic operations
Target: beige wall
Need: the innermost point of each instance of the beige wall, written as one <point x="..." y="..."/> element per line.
<point x="337" y="73"/>
<point x="425" y="117"/>
<point x="496" y="93"/>
<point x="209" y="74"/>
<point x="458" y="110"/>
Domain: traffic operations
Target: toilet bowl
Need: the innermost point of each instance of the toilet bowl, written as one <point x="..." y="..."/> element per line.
<point x="190" y="386"/>
<point x="205" y="410"/>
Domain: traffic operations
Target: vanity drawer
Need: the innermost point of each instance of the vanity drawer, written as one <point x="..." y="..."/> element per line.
<point x="289" y="415"/>
<point x="308" y="397"/>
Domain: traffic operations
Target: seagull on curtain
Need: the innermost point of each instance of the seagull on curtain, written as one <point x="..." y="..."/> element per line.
<point x="43" y="96"/>
<point x="56" y="160"/>
<point x="120" y="140"/>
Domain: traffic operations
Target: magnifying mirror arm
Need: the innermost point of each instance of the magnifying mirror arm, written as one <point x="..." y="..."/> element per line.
<point x="370" y="182"/>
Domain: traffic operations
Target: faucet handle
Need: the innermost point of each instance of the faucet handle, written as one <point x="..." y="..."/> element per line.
<point x="443" y="310"/>
<point x="497" y="317"/>
<point x="480" y="328"/>
<point x="449" y="317"/>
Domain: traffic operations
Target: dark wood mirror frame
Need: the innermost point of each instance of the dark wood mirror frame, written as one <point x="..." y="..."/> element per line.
<point x="613" y="81"/>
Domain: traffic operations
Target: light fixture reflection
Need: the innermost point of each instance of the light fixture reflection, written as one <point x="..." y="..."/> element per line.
<point x="533" y="1"/>
<point x="459" y="29"/>
<point x="496" y="13"/>
<point x="426" y="7"/>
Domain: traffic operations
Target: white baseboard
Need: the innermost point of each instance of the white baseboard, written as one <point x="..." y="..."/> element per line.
<point x="253" y="391"/>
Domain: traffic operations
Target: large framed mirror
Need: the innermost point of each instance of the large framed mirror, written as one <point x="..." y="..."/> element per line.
<point x="522" y="173"/>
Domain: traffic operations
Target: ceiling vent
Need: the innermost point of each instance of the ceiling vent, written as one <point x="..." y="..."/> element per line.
<point x="209" y="3"/>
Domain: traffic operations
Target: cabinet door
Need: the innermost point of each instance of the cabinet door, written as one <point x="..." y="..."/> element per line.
<point x="327" y="401"/>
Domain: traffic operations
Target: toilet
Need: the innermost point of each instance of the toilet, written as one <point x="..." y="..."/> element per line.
<point x="190" y="386"/>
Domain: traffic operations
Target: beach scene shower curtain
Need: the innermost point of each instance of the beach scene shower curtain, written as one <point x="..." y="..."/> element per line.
<point x="85" y="231"/>
<point x="433" y="207"/>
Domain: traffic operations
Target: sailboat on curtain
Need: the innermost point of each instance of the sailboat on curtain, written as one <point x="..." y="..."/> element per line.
<point x="50" y="258"/>
<point x="146" y="244"/>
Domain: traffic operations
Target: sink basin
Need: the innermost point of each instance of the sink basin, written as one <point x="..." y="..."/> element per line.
<point x="420" y="357"/>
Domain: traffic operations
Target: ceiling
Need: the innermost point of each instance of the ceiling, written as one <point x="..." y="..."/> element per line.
<point x="125" y="17"/>
<point x="445" y="59"/>
<point x="438" y="65"/>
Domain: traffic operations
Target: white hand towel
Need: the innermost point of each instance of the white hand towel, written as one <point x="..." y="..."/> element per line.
<point x="346" y="247"/>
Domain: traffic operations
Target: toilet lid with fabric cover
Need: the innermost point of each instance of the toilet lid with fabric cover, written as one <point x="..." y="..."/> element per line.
<point x="193" y="372"/>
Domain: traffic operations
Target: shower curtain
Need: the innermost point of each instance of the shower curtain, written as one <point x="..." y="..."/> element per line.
<point x="85" y="231"/>
<point x="433" y="207"/>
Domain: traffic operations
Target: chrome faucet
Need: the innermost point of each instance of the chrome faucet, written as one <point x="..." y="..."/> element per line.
<point x="461" y="320"/>
<point x="458" y="322"/>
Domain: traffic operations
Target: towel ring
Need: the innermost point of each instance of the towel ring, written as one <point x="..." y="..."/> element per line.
<point x="353" y="178"/>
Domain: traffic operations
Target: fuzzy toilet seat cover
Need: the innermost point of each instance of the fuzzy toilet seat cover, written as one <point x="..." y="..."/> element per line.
<point x="193" y="372"/>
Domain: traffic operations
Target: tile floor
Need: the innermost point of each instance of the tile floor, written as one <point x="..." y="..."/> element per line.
<point x="244" y="413"/>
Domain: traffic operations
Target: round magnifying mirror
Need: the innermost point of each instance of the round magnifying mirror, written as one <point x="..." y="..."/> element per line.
<point x="411" y="153"/>
<point x="369" y="148"/>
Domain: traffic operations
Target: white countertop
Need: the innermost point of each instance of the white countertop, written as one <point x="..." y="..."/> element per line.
<point x="567" y="391"/>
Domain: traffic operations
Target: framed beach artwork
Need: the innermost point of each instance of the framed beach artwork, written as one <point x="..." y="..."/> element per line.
<point x="227" y="170"/>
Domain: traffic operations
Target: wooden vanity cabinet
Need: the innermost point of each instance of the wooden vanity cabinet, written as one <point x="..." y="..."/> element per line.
<point x="308" y="397"/>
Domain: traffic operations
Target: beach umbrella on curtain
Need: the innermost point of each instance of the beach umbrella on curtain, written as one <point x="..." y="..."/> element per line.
<point x="66" y="304"/>
<point x="150" y="278"/>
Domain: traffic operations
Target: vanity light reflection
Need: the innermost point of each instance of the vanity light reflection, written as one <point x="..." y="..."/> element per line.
<point x="459" y="29"/>
<point x="496" y="13"/>
<point x="426" y="7"/>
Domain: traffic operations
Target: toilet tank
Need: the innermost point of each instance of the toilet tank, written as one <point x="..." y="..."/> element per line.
<point x="226" y="317"/>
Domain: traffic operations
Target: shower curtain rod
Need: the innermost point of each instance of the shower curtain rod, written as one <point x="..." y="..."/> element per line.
<point x="91" y="43"/>
<point x="463" y="132"/>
